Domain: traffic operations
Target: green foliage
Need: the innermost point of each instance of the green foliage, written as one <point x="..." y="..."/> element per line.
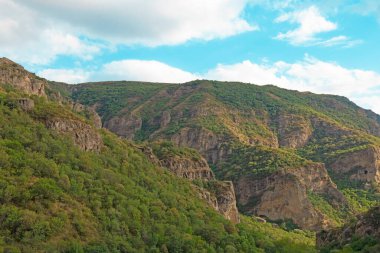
<point x="56" y="198"/>
<point x="259" y="161"/>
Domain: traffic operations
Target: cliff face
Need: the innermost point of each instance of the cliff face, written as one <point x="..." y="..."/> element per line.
<point x="125" y="126"/>
<point x="209" y="144"/>
<point x="188" y="168"/>
<point x="187" y="163"/>
<point x="220" y="195"/>
<point x="83" y="135"/>
<point x="367" y="224"/>
<point x="362" y="165"/>
<point x="294" y="131"/>
<point x="15" y="75"/>
<point x="283" y="195"/>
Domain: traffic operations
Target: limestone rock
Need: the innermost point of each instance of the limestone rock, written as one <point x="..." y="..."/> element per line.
<point x="83" y="135"/>
<point x="221" y="197"/>
<point x="212" y="147"/>
<point x="362" y="165"/>
<point x="124" y="125"/>
<point x="188" y="168"/>
<point x="294" y="131"/>
<point x="283" y="195"/>
<point x="15" y="75"/>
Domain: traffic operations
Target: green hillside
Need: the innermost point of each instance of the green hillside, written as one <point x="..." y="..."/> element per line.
<point x="259" y="126"/>
<point x="57" y="198"/>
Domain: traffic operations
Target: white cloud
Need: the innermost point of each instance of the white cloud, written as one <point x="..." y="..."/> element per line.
<point x="310" y="22"/>
<point x="140" y="70"/>
<point x="71" y="76"/>
<point x="151" y="23"/>
<point x="28" y="38"/>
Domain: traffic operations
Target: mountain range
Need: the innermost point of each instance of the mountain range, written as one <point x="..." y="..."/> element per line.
<point x="203" y="166"/>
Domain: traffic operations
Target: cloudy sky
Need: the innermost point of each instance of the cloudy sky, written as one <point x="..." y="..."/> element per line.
<point x="325" y="46"/>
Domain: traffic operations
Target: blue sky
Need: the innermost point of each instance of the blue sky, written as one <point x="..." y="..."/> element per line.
<point x="319" y="46"/>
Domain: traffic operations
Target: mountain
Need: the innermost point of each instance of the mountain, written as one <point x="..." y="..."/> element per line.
<point x="309" y="160"/>
<point x="68" y="185"/>
<point x="202" y="166"/>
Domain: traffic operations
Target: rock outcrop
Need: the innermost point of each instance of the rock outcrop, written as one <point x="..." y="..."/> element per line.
<point x="124" y="125"/>
<point x="15" y="75"/>
<point x="184" y="163"/>
<point x="220" y="195"/>
<point x="294" y="131"/>
<point x="283" y="195"/>
<point x="90" y="113"/>
<point x="188" y="168"/>
<point x="367" y="224"/>
<point x="83" y="135"/>
<point x="212" y="147"/>
<point x="362" y="165"/>
<point x="26" y="104"/>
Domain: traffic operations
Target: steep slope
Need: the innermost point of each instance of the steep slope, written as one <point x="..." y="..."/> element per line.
<point x="223" y="121"/>
<point x="58" y="195"/>
<point x="361" y="235"/>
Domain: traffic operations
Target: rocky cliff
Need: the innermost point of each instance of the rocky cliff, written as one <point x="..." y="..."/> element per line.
<point x="83" y="135"/>
<point x="366" y="225"/>
<point x="361" y="165"/>
<point x="15" y="75"/>
<point x="220" y="195"/>
<point x="189" y="164"/>
<point x="283" y="195"/>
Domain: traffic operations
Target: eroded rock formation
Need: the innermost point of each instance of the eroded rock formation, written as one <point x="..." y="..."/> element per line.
<point x="83" y="135"/>
<point x="124" y="125"/>
<point x="283" y="195"/>
<point x="15" y="75"/>
<point x="362" y="165"/>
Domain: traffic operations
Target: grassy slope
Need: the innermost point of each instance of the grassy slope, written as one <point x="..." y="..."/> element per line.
<point x="57" y="198"/>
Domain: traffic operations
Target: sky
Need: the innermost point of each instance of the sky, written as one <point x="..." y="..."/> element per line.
<point x="322" y="46"/>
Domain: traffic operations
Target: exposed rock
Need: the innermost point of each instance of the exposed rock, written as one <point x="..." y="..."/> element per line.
<point x="26" y="104"/>
<point x="207" y="196"/>
<point x="294" y="131"/>
<point x="96" y="119"/>
<point x="367" y="224"/>
<point x="283" y="195"/>
<point x="225" y="195"/>
<point x="362" y="165"/>
<point x="150" y="155"/>
<point x="124" y="125"/>
<point x="90" y="111"/>
<point x="205" y="141"/>
<point x="15" y="75"/>
<point x="165" y="119"/>
<point x="188" y="168"/>
<point x="83" y="135"/>
<point x="221" y="197"/>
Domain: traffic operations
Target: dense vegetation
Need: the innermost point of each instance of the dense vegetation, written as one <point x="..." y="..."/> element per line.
<point x="55" y="197"/>
<point x="245" y="114"/>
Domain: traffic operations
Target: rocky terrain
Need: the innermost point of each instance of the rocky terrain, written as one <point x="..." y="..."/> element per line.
<point x="15" y="75"/>
<point x="215" y="118"/>
<point x="366" y="228"/>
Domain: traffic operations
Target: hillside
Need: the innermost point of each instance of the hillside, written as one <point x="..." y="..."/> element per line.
<point x="68" y="186"/>
<point x="312" y="160"/>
